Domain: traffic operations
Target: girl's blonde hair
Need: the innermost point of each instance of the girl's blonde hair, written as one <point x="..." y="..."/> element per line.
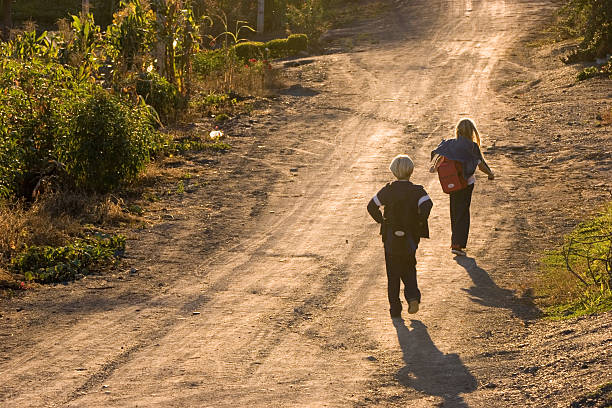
<point x="467" y="129"/>
<point x="402" y="167"/>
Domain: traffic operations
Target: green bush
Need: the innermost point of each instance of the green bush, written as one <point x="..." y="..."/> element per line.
<point x="163" y="96"/>
<point x="297" y="43"/>
<point x="37" y="101"/>
<point x="587" y="73"/>
<point x="131" y="35"/>
<point x="208" y="62"/>
<point x="111" y="141"/>
<point x="197" y="145"/>
<point x="592" y="72"/>
<point x="46" y="264"/>
<point x="578" y="276"/>
<point x="278" y="48"/>
<point x="591" y="20"/>
<point x="223" y="117"/>
<point x="250" y="49"/>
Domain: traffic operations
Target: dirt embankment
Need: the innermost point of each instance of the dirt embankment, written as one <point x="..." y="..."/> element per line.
<point x="262" y="283"/>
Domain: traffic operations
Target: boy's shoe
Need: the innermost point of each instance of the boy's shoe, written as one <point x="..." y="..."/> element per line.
<point x="457" y="250"/>
<point x="413" y="306"/>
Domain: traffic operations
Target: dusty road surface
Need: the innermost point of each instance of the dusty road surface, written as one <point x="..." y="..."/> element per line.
<point x="290" y="308"/>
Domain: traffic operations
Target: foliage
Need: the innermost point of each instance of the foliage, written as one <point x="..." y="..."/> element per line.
<point x="601" y="397"/>
<point x="250" y="49"/>
<point x="591" y="20"/>
<point x="297" y="43"/>
<point x="111" y="141"/>
<point x="591" y="72"/>
<point x="36" y="102"/>
<point x="28" y="44"/>
<point x="196" y="144"/>
<point x="54" y="119"/>
<point x="278" y="47"/>
<point x="306" y="16"/>
<point x="180" y="33"/>
<point x="57" y="121"/>
<point x="214" y="99"/>
<point x="223" y="117"/>
<point x="587" y="257"/>
<point x="163" y="96"/>
<point x="131" y="35"/>
<point x="84" y="51"/>
<point x="208" y="62"/>
<point x="587" y="73"/>
<point x="46" y="264"/>
<point x="230" y="40"/>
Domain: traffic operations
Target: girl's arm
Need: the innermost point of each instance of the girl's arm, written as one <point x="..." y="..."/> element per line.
<point x="435" y="163"/>
<point x="484" y="167"/>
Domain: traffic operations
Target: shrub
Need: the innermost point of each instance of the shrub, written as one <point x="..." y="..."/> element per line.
<point x="297" y="43"/>
<point x="46" y="264"/>
<point x="131" y="35"/>
<point x="278" y="48"/>
<point x="37" y="101"/>
<point x="163" y="96"/>
<point x="196" y="144"/>
<point x="208" y="62"/>
<point x="579" y="275"/>
<point x="591" y="72"/>
<point x="587" y="73"/>
<point x="250" y="49"/>
<point x="223" y="117"/>
<point x="111" y="141"/>
<point x="592" y="20"/>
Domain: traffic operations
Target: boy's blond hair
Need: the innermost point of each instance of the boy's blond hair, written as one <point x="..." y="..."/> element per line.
<point x="402" y="167"/>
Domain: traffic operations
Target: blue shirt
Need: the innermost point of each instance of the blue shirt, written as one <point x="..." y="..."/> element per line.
<point x="461" y="150"/>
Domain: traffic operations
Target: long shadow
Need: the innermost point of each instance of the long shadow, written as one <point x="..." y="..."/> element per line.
<point x="428" y="369"/>
<point x="486" y="292"/>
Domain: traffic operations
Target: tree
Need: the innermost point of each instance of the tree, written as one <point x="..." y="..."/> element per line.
<point x="7" y="18"/>
<point x="85" y="7"/>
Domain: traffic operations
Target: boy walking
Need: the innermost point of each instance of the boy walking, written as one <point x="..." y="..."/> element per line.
<point x="407" y="208"/>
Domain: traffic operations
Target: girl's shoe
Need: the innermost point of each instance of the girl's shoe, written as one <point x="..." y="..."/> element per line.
<point x="457" y="250"/>
<point x="413" y="306"/>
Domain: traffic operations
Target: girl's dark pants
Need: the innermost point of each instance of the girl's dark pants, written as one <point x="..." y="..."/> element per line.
<point x="401" y="267"/>
<point x="460" y="215"/>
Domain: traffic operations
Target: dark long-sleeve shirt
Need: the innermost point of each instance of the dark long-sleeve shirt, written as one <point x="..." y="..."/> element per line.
<point x="415" y="207"/>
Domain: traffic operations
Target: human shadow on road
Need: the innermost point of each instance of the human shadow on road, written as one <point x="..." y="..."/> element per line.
<point x="486" y="292"/>
<point x="429" y="370"/>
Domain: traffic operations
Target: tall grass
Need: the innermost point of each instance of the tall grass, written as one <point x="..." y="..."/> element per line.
<point x="577" y="277"/>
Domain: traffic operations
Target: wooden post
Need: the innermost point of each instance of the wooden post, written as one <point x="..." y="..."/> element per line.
<point x="260" y="16"/>
<point x="85" y="7"/>
<point x="7" y="20"/>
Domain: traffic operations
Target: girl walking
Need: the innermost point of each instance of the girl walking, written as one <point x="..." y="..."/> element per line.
<point x="465" y="148"/>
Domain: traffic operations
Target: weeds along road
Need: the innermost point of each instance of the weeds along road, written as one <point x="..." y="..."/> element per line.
<point x="295" y="314"/>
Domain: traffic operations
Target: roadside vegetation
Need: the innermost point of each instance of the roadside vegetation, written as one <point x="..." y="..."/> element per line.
<point x="589" y="23"/>
<point x="88" y="100"/>
<point x="577" y="276"/>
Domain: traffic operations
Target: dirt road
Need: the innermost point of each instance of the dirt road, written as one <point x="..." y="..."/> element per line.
<point x="289" y="309"/>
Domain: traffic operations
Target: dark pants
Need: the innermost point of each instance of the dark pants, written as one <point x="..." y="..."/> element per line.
<point x="401" y="267"/>
<point x="460" y="215"/>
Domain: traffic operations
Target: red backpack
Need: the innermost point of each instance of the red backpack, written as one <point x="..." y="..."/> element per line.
<point x="451" y="177"/>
